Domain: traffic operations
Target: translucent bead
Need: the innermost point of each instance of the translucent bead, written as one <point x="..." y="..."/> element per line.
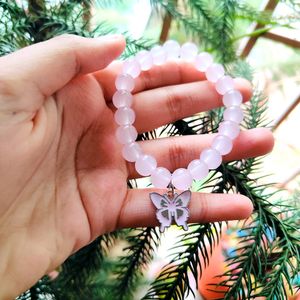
<point x="161" y="177"/>
<point x="158" y="55"/>
<point x="232" y="98"/>
<point x="229" y="129"/>
<point x="131" y="152"/>
<point x="214" y="72"/>
<point x="182" y="179"/>
<point x="198" y="169"/>
<point x="188" y="51"/>
<point x="222" y="144"/>
<point x="145" y="165"/>
<point x="203" y="61"/>
<point x="211" y="157"/>
<point x="125" y="82"/>
<point x="234" y="114"/>
<point x="145" y="60"/>
<point x="131" y="67"/>
<point x="172" y="49"/>
<point x="122" y="98"/>
<point x="224" y="84"/>
<point x="124" y="116"/>
<point x="126" y="134"/>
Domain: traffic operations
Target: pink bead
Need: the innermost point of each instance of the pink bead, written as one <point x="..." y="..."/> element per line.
<point x="124" y="116"/>
<point x="160" y="178"/>
<point x="125" y="82"/>
<point x="224" y="84"/>
<point x="222" y="144"/>
<point x="203" y="61"/>
<point x="229" y="129"/>
<point x="198" y="169"/>
<point x="182" y="179"/>
<point x="145" y="60"/>
<point x="234" y="114"/>
<point x="214" y="72"/>
<point x="126" y="134"/>
<point x="131" y="152"/>
<point x="131" y="67"/>
<point x="232" y="98"/>
<point x="211" y="157"/>
<point x="159" y="55"/>
<point x="172" y="49"/>
<point x="122" y="98"/>
<point x="145" y="165"/>
<point x="188" y="51"/>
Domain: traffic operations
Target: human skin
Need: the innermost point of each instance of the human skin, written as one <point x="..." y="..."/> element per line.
<point x="63" y="181"/>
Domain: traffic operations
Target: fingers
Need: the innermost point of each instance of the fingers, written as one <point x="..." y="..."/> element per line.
<point x="161" y="106"/>
<point x="139" y="211"/>
<point x="177" y="152"/>
<point x="50" y="65"/>
<point x="171" y="73"/>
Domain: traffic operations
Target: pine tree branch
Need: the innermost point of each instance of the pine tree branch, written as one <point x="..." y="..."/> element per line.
<point x="81" y="267"/>
<point x="201" y="10"/>
<point x="14" y="27"/>
<point x="41" y="290"/>
<point x="173" y="281"/>
<point x="190" y="24"/>
<point x="224" y="29"/>
<point x="133" y="46"/>
<point x="246" y="11"/>
<point x="139" y="253"/>
<point x="254" y="259"/>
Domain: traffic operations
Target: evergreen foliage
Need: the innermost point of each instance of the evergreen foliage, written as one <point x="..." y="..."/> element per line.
<point x="173" y="281"/>
<point x="267" y="261"/>
<point x="80" y="269"/>
<point x="142" y="244"/>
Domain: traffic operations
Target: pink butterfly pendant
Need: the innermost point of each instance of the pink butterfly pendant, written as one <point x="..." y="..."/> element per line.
<point x="171" y="205"/>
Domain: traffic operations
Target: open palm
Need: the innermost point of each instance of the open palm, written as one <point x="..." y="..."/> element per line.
<point x="62" y="176"/>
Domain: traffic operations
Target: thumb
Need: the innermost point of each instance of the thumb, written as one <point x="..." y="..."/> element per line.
<point x="52" y="64"/>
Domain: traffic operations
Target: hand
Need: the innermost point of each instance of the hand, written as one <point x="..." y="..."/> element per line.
<point x="62" y="176"/>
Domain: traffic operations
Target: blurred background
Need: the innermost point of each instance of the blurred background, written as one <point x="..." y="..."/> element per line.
<point x="264" y="33"/>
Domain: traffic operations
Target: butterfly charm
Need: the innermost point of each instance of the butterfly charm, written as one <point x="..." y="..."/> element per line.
<point x="171" y="206"/>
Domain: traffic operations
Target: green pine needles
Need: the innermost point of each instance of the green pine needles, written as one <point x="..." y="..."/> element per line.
<point x="173" y="281"/>
<point x="80" y="269"/>
<point x="142" y="244"/>
<point x="267" y="260"/>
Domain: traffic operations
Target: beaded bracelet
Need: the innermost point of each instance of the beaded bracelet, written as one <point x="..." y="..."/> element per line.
<point x="171" y="205"/>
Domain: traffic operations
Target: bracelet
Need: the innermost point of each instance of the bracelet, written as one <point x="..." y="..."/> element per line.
<point x="171" y="204"/>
